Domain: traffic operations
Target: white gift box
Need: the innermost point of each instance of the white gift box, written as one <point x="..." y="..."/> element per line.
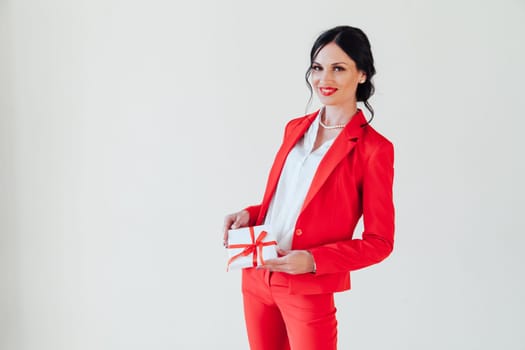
<point x="250" y="246"/>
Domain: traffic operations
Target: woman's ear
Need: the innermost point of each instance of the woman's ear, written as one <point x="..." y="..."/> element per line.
<point x="362" y="77"/>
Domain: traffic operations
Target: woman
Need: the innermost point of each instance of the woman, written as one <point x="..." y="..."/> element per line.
<point x="332" y="168"/>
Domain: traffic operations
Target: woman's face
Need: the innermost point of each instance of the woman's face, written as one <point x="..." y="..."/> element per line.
<point x="335" y="76"/>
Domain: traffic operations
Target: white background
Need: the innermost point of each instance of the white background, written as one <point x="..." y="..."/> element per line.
<point x="128" y="129"/>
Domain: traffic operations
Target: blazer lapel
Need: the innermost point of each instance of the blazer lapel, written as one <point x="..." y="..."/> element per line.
<point x="291" y="138"/>
<point x="342" y="145"/>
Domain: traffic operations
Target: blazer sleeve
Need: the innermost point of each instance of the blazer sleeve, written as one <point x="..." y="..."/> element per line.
<point x="378" y="218"/>
<point x="254" y="213"/>
<point x="255" y="210"/>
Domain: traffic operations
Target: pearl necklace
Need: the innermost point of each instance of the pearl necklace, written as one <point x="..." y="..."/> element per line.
<point x="331" y="127"/>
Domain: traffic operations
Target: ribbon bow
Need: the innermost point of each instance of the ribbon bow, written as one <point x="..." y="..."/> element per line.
<point x="255" y="248"/>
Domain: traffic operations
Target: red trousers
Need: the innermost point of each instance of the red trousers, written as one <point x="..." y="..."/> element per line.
<point x="277" y="320"/>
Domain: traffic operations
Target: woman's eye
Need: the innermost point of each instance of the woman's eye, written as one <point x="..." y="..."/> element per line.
<point x="338" y="69"/>
<point x="317" y="68"/>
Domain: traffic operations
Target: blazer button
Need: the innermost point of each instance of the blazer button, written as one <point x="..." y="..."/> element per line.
<point x="298" y="232"/>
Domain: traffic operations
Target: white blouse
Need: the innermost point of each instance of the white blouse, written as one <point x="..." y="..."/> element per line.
<point x="296" y="177"/>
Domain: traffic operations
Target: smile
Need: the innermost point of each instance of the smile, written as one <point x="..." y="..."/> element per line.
<point x="327" y="91"/>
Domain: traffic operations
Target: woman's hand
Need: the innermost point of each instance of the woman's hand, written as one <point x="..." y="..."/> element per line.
<point x="234" y="221"/>
<point x="293" y="262"/>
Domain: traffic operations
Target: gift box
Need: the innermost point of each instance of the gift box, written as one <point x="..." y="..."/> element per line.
<point x="250" y="247"/>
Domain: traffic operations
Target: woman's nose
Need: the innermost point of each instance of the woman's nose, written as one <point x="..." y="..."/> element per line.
<point x="326" y="75"/>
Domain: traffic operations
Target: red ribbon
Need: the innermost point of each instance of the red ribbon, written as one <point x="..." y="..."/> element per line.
<point x="255" y="248"/>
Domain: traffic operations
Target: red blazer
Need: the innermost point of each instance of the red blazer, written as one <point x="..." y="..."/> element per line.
<point x="354" y="178"/>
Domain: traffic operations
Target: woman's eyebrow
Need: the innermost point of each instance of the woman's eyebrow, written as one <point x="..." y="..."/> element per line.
<point x="332" y="64"/>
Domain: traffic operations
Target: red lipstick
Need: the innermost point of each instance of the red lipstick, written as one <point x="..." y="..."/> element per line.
<point x="327" y="91"/>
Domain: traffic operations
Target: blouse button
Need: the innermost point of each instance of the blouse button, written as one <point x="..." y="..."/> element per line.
<point x="298" y="232"/>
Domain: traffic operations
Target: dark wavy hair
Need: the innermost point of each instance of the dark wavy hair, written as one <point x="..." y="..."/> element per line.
<point x="354" y="42"/>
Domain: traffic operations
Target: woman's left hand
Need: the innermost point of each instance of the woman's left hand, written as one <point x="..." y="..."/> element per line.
<point x="291" y="261"/>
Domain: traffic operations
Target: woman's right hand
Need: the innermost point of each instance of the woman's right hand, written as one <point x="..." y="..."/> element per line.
<point x="234" y="221"/>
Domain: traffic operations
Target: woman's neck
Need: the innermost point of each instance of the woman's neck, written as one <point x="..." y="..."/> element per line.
<point x="340" y="114"/>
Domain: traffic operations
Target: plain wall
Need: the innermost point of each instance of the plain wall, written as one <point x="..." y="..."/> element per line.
<point x="128" y="130"/>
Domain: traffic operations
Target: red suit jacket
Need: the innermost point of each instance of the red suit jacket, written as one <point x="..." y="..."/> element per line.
<point x="354" y="178"/>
